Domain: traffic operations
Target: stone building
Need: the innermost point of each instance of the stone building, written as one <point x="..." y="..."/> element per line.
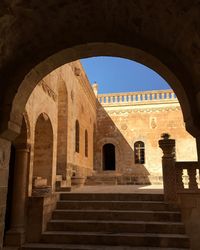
<point x="61" y="115"/>
<point x="72" y="136"/>
<point x="39" y="36"/>
<point x="133" y="124"/>
<point x="76" y="133"/>
<point x="76" y="136"/>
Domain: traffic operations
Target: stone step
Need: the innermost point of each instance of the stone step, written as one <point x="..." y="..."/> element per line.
<point x="116" y="205"/>
<point x="116" y="226"/>
<point x="127" y="239"/>
<point x="117" y="215"/>
<point x="113" y="196"/>
<point x="40" y="246"/>
<point x="101" y="180"/>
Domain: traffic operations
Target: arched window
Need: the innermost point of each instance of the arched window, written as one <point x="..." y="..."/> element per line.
<point x="86" y="143"/>
<point x="139" y="150"/>
<point x="77" y="136"/>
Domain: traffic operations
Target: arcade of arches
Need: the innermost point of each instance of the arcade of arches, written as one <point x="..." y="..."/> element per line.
<point x="38" y="37"/>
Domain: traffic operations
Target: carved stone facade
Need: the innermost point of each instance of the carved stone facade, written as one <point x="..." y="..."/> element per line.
<point x="126" y="118"/>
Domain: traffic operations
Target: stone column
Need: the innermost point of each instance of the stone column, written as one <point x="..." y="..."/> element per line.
<point x="16" y="235"/>
<point x="4" y="170"/>
<point x="168" y="166"/>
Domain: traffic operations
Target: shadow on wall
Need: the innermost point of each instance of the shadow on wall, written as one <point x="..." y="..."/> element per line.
<point x="126" y="170"/>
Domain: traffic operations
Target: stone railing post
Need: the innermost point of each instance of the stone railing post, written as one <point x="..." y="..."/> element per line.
<point x="16" y="235"/>
<point x="168" y="166"/>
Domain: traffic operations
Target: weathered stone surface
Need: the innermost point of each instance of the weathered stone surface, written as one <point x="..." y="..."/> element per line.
<point x="122" y="122"/>
<point x="162" y="35"/>
<point x="159" y="29"/>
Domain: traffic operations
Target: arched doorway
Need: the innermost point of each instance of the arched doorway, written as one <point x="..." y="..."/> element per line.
<point x="108" y="157"/>
<point x="62" y="130"/>
<point x="43" y="149"/>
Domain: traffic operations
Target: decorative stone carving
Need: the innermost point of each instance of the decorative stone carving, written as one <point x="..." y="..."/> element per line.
<point x="77" y="71"/>
<point x="153" y="122"/>
<point x="48" y="90"/>
<point x="124" y="126"/>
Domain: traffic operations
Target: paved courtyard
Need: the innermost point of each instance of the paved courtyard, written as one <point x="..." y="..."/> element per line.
<point x="157" y="189"/>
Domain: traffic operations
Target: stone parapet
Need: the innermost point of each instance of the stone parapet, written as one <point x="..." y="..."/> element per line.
<point x="137" y="98"/>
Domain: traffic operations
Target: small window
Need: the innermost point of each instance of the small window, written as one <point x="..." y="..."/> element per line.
<point x="139" y="150"/>
<point x="86" y="143"/>
<point x="77" y="136"/>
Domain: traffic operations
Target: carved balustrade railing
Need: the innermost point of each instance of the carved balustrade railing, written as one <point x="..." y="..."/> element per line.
<point x="137" y="97"/>
<point x="187" y="176"/>
<point x="178" y="177"/>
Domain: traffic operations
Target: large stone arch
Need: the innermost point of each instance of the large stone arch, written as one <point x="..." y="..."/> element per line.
<point x="43" y="149"/>
<point x="158" y="30"/>
<point x="97" y="49"/>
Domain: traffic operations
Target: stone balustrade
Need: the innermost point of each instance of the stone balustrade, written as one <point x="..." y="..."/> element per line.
<point x="187" y="176"/>
<point x="178" y="177"/>
<point x="137" y="97"/>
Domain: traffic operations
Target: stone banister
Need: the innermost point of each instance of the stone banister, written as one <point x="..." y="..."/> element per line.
<point x="178" y="177"/>
<point x="137" y="97"/>
<point x="191" y="176"/>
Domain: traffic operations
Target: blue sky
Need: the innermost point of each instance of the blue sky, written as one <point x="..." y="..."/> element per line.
<point x="115" y="74"/>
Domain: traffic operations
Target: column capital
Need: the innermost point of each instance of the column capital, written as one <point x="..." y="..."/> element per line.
<point x="167" y="145"/>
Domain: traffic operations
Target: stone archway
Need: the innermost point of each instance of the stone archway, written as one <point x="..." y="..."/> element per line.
<point x="108" y="157"/>
<point x="166" y="35"/>
<point x="43" y="151"/>
<point x="99" y="156"/>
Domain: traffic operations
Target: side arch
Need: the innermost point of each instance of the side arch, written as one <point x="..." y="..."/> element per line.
<point x="43" y="149"/>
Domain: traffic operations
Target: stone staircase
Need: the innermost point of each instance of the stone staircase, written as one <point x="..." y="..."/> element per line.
<point x="116" y="178"/>
<point x="95" y="221"/>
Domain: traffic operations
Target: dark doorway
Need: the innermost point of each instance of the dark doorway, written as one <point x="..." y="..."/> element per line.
<point x="109" y="157"/>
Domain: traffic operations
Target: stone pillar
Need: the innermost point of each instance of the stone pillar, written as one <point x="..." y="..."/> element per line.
<point x="4" y="170"/>
<point x="16" y="235"/>
<point x="168" y="166"/>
